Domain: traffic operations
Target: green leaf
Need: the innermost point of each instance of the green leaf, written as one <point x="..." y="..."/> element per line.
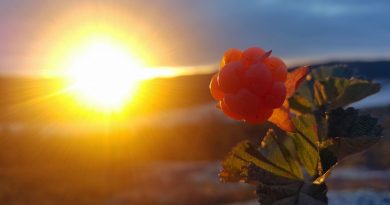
<point x="348" y="133"/>
<point x="278" y="190"/>
<point x="347" y="123"/>
<point x="324" y="72"/>
<point x="338" y="92"/>
<point x="302" y="101"/>
<point x="277" y="149"/>
<point x="326" y="91"/>
<point x="356" y="90"/>
<point x="307" y="143"/>
<point x="243" y="156"/>
<point x="300" y="104"/>
<point x="306" y="89"/>
<point x="274" y="168"/>
<point x="322" y="127"/>
<point x="347" y="146"/>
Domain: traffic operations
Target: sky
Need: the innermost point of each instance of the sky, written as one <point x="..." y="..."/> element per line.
<point x="185" y="33"/>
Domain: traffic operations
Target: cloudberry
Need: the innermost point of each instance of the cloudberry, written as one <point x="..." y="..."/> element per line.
<point x="249" y="84"/>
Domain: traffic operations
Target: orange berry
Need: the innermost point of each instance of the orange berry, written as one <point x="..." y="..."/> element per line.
<point x="228" y="112"/>
<point x="250" y="85"/>
<point x="230" y="55"/>
<point x="277" y="67"/>
<point x="251" y="55"/>
<point x="276" y="95"/>
<point x="243" y="102"/>
<point x="228" y="79"/>
<point x="260" y="117"/>
<point x="215" y="90"/>
<point x="258" y="79"/>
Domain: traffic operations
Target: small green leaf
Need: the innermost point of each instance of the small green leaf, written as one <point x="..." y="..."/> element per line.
<point x="340" y="70"/>
<point x="348" y="133"/>
<point x="322" y="127"/>
<point x="325" y="91"/>
<point x="338" y="92"/>
<point x="245" y="155"/>
<point x="349" y="146"/>
<point x="347" y="123"/>
<point x="356" y="90"/>
<point x="306" y="142"/>
<point x="300" y="104"/>
<point x="279" y="190"/>
<point x="306" y="89"/>
<point x="275" y="149"/>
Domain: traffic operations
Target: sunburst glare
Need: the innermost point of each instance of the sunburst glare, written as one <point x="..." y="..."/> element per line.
<point x="104" y="74"/>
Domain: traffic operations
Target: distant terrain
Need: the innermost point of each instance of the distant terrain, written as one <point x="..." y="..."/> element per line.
<point x="27" y="98"/>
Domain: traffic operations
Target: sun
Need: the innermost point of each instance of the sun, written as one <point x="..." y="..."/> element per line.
<point x="104" y="74"/>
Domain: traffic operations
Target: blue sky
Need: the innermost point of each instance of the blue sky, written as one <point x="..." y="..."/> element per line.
<point x="196" y="33"/>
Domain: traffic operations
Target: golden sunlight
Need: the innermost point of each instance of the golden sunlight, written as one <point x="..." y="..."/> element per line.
<point x="104" y="74"/>
<point x="102" y="55"/>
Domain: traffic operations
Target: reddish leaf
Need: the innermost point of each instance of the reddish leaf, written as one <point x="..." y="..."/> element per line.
<point x="281" y="117"/>
<point x="294" y="79"/>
